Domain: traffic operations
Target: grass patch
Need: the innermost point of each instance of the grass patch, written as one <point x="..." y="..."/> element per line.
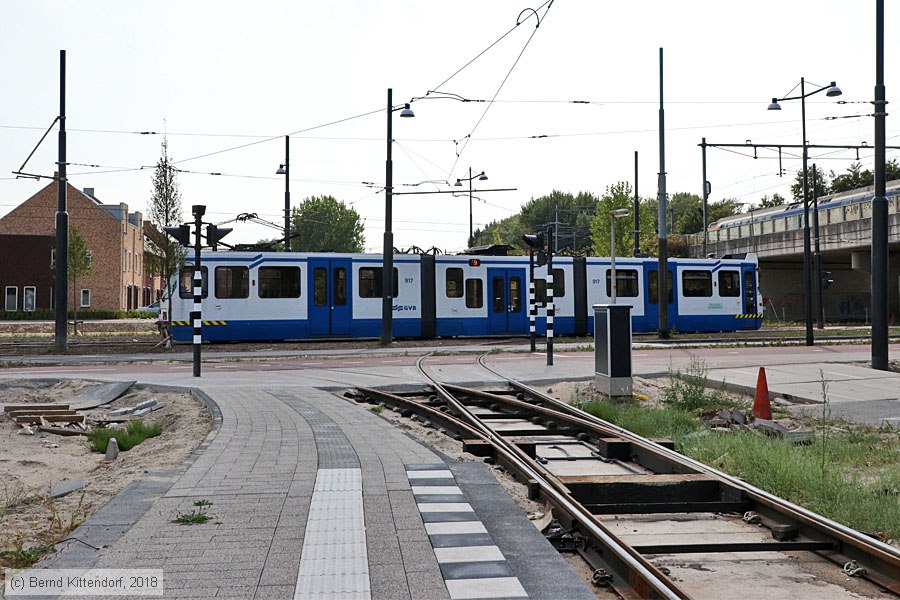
<point x="12" y="496"/>
<point x="689" y="390"/>
<point x="377" y="409"/>
<point x="195" y="517"/>
<point x="850" y="474"/>
<point x="653" y="423"/>
<point x="21" y="557"/>
<point x="135" y="433"/>
<point x="857" y="483"/>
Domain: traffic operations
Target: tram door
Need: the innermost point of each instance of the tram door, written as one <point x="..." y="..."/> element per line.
<point x="751" y="306"/>
<point x="329" y="299"/>
<point x="507" y="306"/>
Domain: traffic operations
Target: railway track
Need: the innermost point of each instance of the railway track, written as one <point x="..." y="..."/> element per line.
<point x="651" y="522"/>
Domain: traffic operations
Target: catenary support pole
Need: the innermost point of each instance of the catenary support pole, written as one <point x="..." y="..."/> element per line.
<point x="60" y="292"/>
<point x="817" y="254"/>
<point x="705" y="200"/>
<point x="663" y="274"/>
<point x="387" y="273"/>
<point x="287" y="193"/>
<point x="879" y="208"/>
<point x="807" y="259"/>
<point x="637" y="210"/>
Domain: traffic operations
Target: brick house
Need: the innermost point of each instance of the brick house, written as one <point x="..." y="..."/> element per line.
<point x="114" y="236"/>
<point x="27" y="281"/>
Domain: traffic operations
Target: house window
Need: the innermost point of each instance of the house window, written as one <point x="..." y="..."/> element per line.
<point x="474" y="293"/>
<point x="29" y="297"/>
<point x="370" y="282"/>
<point x="279" y="282"/>
<point x="454" y="288"/>
<point x="85" y="298"/>
<point x="232" y="282"/>
<point x="89" y="257"/>
<point x="12" y="298"/>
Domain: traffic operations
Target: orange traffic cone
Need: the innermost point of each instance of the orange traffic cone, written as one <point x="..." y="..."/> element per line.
<point x="761" y="407"/>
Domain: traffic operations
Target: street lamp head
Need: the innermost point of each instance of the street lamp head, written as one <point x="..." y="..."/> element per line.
<point x="833" y="90"/>
<point x="482" y="177"/>
<point x="618" y="212"/>
<point x="774" y="105"/>
<point x="280" y="170"/>
<point x="407" y="111"/>
<point x="458" y="183"/>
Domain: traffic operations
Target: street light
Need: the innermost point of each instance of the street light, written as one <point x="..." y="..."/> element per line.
<point x="387" y="273"/>
<point x="613" y="215"/>
<point x="481" y="177"/>
<point x="285" y="169"/>
<point x="831" y="91"/>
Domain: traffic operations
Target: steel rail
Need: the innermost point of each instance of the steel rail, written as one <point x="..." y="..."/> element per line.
<point x="864" y="548"/>
<point x="644" y="578"/>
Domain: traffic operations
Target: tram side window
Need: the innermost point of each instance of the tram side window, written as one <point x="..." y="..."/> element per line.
<point x="279" y="282"/>
<point x="474" y="293"/>
<point x="232" y="282"/>
<point x="696" y="284"/>
<point x="186" y="283"/>
<point x="626" y="283"/>
<point x="370" y="282"/>
<point x="653" y="287"/>
<point x="559" y="287"/>
<point x="455" y="283"/>
<point x="729" y="284"/>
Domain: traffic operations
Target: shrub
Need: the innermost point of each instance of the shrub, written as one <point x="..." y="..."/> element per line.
<point x="135" y="433"/>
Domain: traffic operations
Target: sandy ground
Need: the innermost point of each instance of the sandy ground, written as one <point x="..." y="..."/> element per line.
<point x="31" y="464"/>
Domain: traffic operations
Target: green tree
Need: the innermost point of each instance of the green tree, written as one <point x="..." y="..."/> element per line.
<point x="724" y="208"/>
<point x="79" y="265"/>
<point x="620" y="195"/>
<point x="324" y="224"/>
<point x="856" y="177"/>
<point x="768" y="202"/>
<point x="567" y="214"/>
<point x="164" y="255"/>
<point x="823" y="187"/>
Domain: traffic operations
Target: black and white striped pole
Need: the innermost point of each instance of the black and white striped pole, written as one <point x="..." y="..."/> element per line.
<point x="551" y="309"/>
<point x="198" y="210"/>
<point x="532" y="306"/>
<point x="535" y="242"/>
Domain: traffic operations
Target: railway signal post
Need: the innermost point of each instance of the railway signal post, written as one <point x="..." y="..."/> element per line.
<point x="182" y="234"/>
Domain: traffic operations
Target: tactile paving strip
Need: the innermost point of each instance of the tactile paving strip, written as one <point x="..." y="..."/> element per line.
<point x="471" y="564"/>
<point x="334" y="562"/>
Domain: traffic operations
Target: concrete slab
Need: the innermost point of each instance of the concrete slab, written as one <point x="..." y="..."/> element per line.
<point x="98" y="395"/>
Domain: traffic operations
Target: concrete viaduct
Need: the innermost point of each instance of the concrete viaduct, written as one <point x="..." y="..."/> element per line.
<point x="845" y="242"/>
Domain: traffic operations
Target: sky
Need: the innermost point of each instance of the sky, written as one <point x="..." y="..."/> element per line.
<point x="225" y="81"/>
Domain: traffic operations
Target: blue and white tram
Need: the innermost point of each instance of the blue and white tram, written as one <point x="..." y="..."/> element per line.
<point x="251" y="296"/>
